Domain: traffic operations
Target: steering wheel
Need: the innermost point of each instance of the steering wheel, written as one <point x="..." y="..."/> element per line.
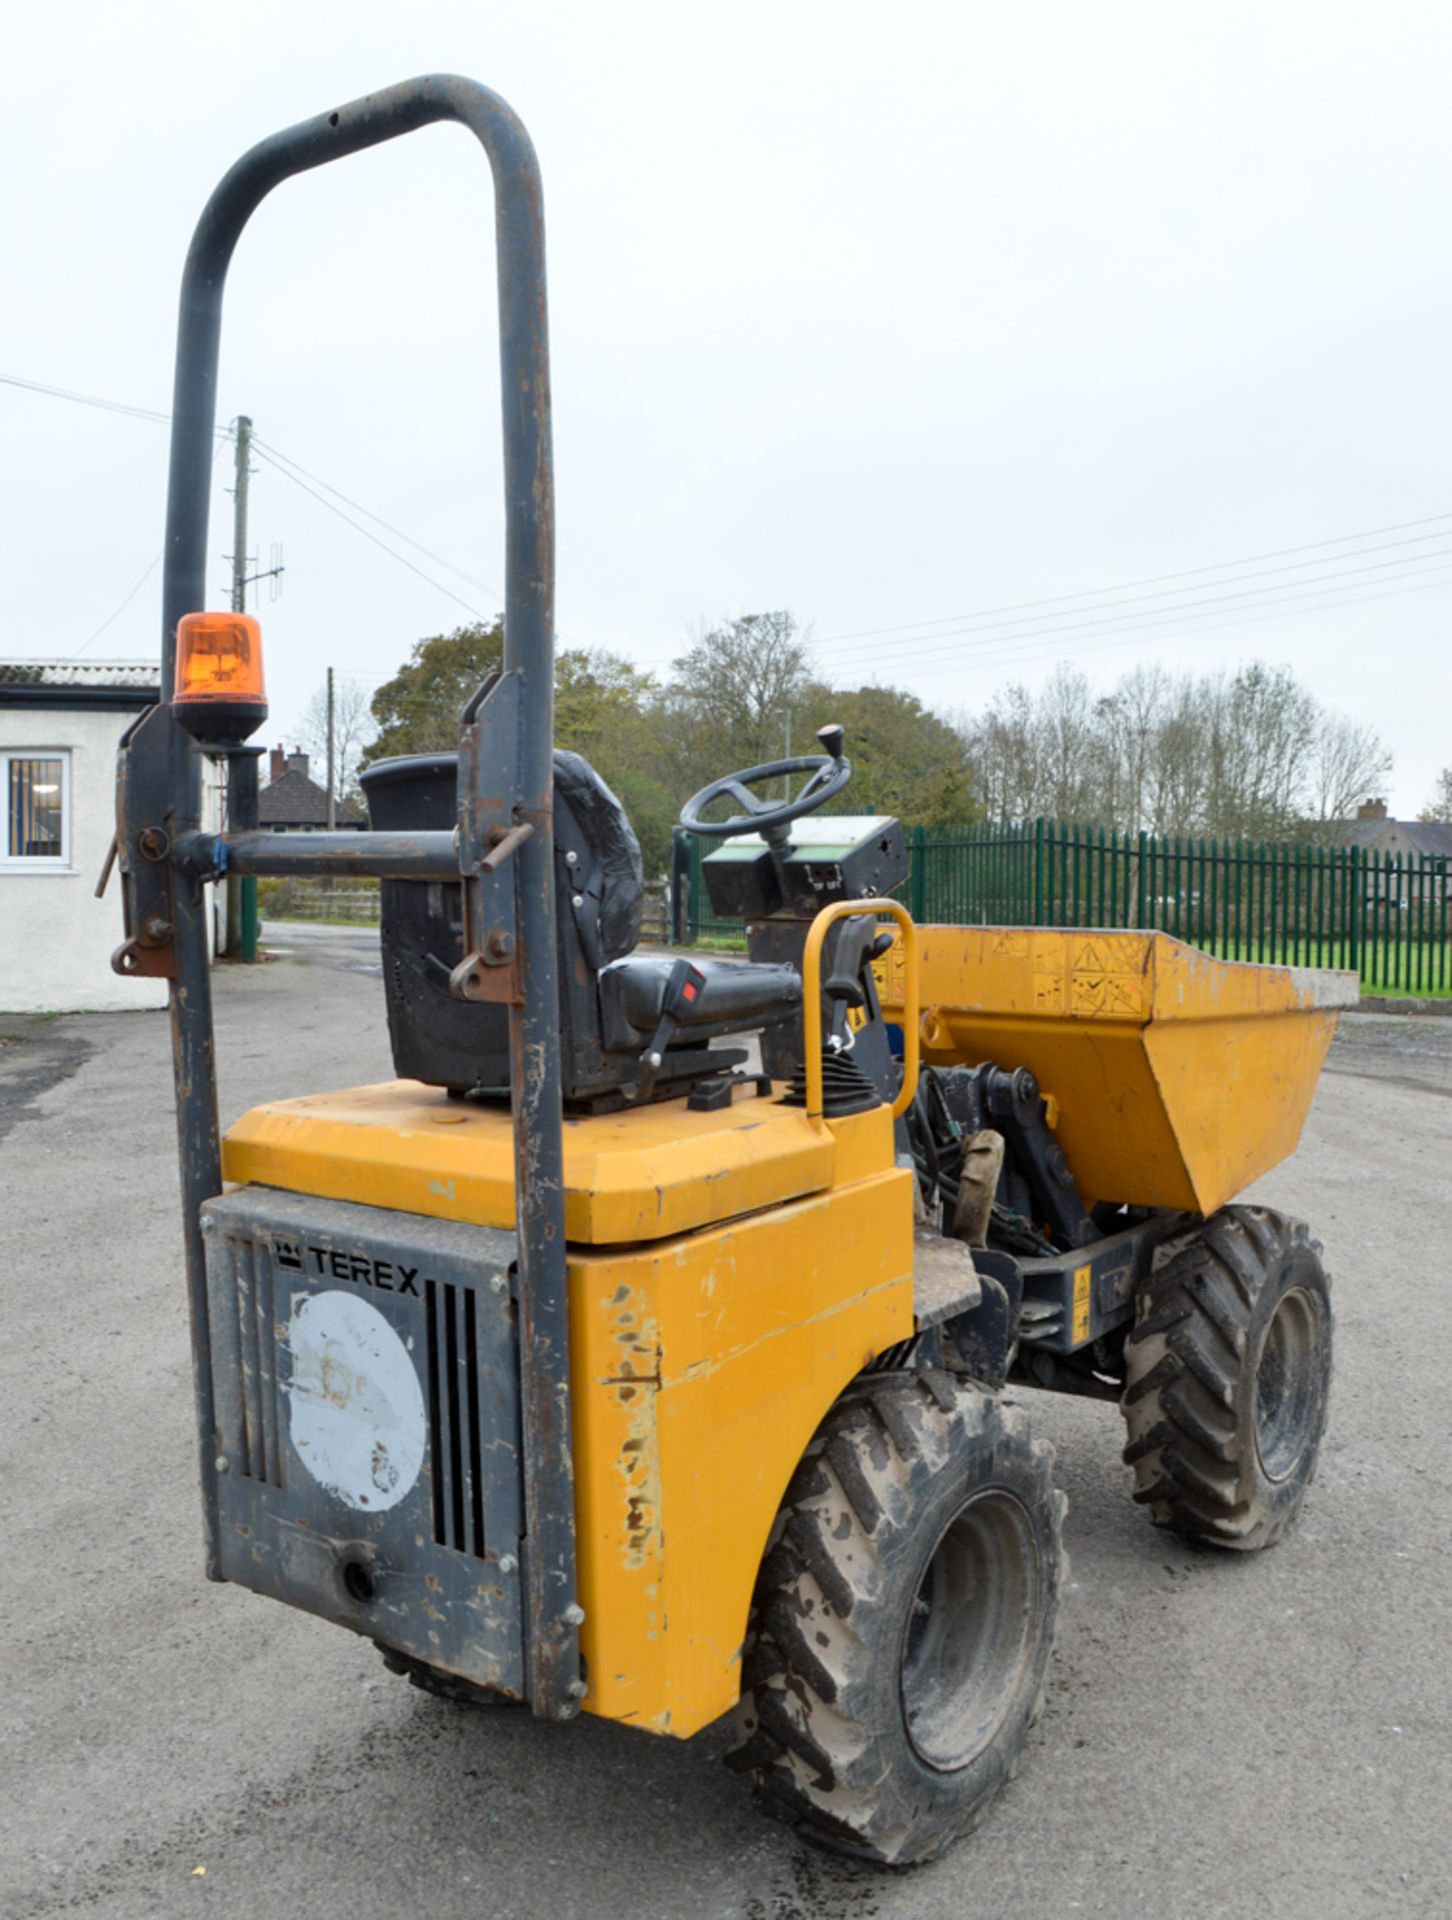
<point x="828" y="773"/>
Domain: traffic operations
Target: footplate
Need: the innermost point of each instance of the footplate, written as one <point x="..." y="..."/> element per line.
<point x="367" y="1391"/>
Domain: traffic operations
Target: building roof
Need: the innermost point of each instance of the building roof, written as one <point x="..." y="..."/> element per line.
<point x="79" y="683"/>
<point x="1429" y="836"/>
<point x="144" y="675"/>
<point x="1426" y="836"/>
<point x="292" y="800"/>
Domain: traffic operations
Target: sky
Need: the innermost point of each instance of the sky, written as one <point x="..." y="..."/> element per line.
<point x="952" y="328"/>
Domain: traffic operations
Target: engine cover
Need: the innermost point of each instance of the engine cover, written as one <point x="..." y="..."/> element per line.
<point x="366" y="1383"/>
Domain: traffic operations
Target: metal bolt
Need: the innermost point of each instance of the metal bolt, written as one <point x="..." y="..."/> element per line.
<point x="499" y="945"/>
<point x="206" y="1223"/>
<point x="156" y="928"/>
<point x="652" y="1059"/>
<point x="577" y="901"/>
<point x="574" y="1615"/>
<point x="507" y="1563"/>
<point x="571" y="857"/>
<point x="498" y="1282"/>
<point x="222" y="1464"/>
<point x="566" y="1712"/>
<point x="578" y="1689"/>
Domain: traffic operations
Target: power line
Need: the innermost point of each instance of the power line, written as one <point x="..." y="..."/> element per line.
<point x="1246" y="618"/>
<point x="936" y="646"/>
<point x="1000" y="628"/>
<point x="284" y="465"/>
<point x="368" y="534"/>
<point x="1150" y="580"/>
<point x="286" y="460"/>
<point x="985" y="635"/>
<point x="155" y="562"/>
<point x="83" y="399"/>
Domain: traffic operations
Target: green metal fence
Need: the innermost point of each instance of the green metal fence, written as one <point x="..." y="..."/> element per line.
<point x="1387" y="916"/>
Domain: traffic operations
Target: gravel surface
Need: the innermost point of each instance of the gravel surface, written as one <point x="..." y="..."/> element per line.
<point x="1223" y="1737"/>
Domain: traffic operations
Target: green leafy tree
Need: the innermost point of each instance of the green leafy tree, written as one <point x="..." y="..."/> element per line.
<point x="905" y="759"/>
<point x="739" y="696"/>
<point x="418" y="709"/>
<point x="602" y="710"/>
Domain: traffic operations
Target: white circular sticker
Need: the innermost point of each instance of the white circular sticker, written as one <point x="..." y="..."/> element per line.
<point x="356" y="1409"/>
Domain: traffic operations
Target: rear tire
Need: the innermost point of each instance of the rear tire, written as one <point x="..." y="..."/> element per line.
<point x="903" y="1619"/>
<point x="1228" y="1371"/>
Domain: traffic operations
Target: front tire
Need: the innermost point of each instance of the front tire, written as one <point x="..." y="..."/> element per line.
<point x="903" y="1620"/>
<point x="1227" y="1375"/>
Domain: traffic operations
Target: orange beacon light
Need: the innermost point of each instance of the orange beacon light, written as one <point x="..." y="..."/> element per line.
<point x="219" y="693"/>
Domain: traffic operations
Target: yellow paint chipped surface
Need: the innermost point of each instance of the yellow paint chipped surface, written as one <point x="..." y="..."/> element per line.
<point x="700" y="1369"/>
<point x="642" y="1175"/>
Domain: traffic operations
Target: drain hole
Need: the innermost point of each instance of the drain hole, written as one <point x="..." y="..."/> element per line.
<point x="358" y="1582"/>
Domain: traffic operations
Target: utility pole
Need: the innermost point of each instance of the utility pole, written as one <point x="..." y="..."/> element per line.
<point x="332" y="780"/>
<point x="239" y="605"/>
<point x="241" y="895"/>
<point x="241" y="578"/>
<point x="239" y="516"/>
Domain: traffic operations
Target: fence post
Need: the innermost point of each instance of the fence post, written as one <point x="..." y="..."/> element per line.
<point x="1038" y="872"/>
<point x="917" y="880"/>
<point x="679" y="902"/>
<point x="1353" y="911"/>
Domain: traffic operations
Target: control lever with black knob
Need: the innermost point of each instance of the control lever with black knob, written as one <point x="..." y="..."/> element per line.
<point x="859" y="942"/>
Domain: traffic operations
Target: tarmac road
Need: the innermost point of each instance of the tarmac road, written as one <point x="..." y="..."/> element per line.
<point x="1223" y="1737"/>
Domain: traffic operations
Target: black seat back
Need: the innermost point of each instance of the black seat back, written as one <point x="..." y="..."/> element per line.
<point x="599" y="892"/>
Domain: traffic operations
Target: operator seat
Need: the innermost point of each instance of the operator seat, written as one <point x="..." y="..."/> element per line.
<point x="613" y="1000"/>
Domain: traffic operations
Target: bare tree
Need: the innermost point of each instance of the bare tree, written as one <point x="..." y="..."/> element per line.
<point x="1249" y="754"/>
<point x="353" y="727"/>
<point x="1262" y="728"/>
<point x="1347" y="762"/>
<point x="1068" y="747"/>
<point x="1439" y="807"/>
<point x="1002" y="752"/>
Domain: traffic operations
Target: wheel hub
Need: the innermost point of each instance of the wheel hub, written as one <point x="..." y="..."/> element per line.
<point x="969" y="1633"/>
<point x="1285" y="1396"/>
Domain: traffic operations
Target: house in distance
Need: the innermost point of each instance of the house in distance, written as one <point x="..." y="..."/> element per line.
<point x="293" y="799"/>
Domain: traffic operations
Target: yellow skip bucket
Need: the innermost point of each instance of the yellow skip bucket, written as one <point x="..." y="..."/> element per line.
<point x="1178" y="1079"/>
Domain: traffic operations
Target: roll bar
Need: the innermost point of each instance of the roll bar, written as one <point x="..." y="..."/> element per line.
<point x="505" y="802"/>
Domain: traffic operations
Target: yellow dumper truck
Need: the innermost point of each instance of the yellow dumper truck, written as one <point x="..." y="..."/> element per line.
<point x="647" y="1347"/>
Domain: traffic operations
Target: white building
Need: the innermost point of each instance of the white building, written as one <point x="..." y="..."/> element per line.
<point x="59" y="726"/>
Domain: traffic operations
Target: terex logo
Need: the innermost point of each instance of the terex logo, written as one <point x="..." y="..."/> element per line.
<point x="387" y="1276"/>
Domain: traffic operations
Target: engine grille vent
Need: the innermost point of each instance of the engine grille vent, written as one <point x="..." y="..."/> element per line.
<point x="456" y="1447"/>
<point x="257" y="1334"/>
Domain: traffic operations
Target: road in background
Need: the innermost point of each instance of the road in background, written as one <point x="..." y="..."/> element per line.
<point x="1222" y="1737"/>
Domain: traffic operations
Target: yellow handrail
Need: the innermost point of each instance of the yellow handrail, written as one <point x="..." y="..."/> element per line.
<point x="812" y="997"/>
